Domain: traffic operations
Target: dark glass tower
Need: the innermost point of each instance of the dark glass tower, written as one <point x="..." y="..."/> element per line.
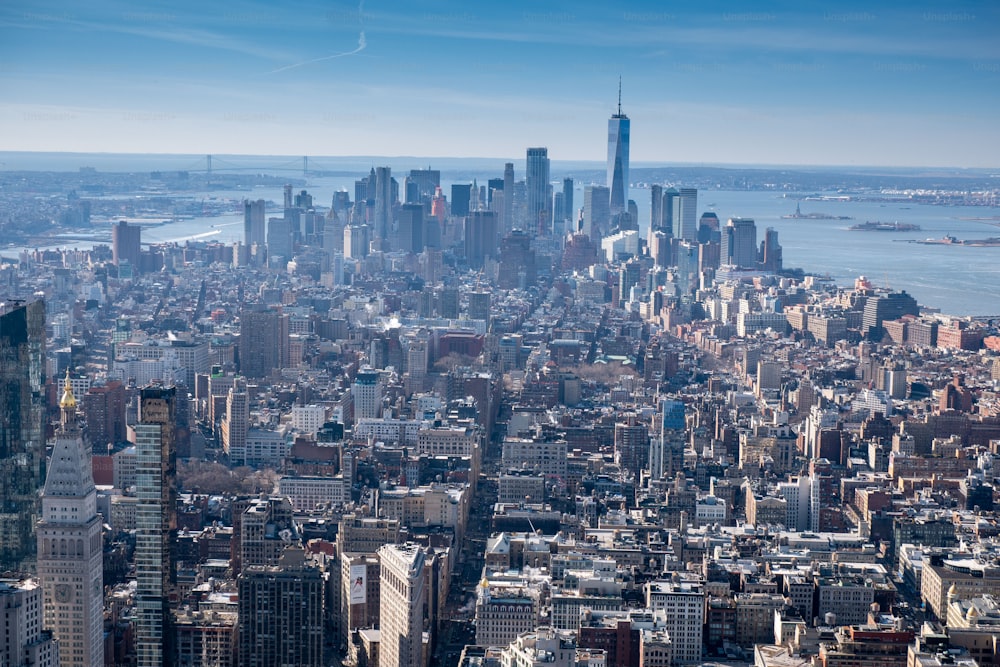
<point x="22" y="430"/>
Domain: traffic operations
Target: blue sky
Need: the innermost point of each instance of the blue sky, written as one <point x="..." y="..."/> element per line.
<point x="778" y="83"/>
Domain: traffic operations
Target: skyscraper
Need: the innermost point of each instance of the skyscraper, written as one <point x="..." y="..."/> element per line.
<point x="156" y="525"/>
<point x="367" y="394"/>
<point x="461" y="196"/>
<point x="401" y="607"/>
<point x="383" y="203"/>
<point x="70" y="549"/>
<point x="253" y="222"/>
<point x="685" y="214"/>
<point x="22" y="430"/>
<point x="411" y="228"/>
<point x="539" y="214"/>
<point x="507" y="221"/>
<point x="22" y="639"/>
<point x="596" y="214"/>
<point x="236" y="423"/>
<point x="281" y="613"/>
<point x="739" y="243"/>
<point x="618" y="137"/>
<point x="568" y="203"/>
<point x="125" y="243"/>
<point x="260" y="340"/>
<point x="480" y="238"/>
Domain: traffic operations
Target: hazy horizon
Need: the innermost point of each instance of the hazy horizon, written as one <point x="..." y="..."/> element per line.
<point x="780" y="85"/>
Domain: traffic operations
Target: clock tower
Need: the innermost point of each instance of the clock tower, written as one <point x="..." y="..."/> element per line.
<point x="70" y="547"/>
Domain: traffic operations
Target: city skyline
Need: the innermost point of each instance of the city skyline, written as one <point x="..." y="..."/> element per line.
<point x="862" y="85"/>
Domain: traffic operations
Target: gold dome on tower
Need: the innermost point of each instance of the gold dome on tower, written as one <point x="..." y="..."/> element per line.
<point x="67" y="400"/>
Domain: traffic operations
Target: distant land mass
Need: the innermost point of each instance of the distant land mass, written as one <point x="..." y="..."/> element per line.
<point x="707" y="176"/>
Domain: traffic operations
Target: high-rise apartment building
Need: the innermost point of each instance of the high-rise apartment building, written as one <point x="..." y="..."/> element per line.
<point x="539" y="213"/>
<point x="22" y="639"/>
<point x="401" y="606"/>
<point x="236" y="423"/>
<point x="254" y="222"/>
<point x="156" y="525"/>
<point x="281" y="613"/>
<point x="366" y="391"/>
<point x="70" y="547"/>
<point x="618" y="140"/>
<point x="263" y="340"/>
<point x="104" y="410"/>
<point x="22" y="430"/>
<point x="125" y="243"/>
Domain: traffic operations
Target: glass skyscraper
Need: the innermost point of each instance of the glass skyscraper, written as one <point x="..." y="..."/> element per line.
<point x="539" y="214"/>
<point x="22" y="430"/>
<point x="618" y="133"/>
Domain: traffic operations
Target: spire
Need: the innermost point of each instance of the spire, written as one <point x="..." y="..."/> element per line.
<point x="68" y="401"/>
<point x="619" y="96"/>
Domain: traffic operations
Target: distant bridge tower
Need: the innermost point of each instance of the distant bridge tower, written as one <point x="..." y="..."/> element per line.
<point x="208" y="166"/>
<point x="305" y="165"/>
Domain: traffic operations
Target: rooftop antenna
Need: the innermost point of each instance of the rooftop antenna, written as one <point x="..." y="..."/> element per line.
<point x="619" y="96"/>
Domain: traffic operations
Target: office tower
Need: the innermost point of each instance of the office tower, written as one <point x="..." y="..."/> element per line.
<point x="125" y="243"/>
<point x="569" y="213"/>
<point x="22" y="430"/>
<point x="492" y="186"/>
<point x="23" y="642"/>
<point x="517" y="261"/>
<point x="253" y="222"/>
<point x="356" y="241"/>
<point x="770" y="251"/>
<point x="281" y="613"/>
<point x="507" y="222"/>
<point x="448" y="303"/>
<point x="596" y="211"/>
<point x="685" y="214"/>
<point x="104" y="410"/>
<point x="280" y="247"/>
<point x="461" y="196"/>
<point x="411" y="228"/>
<point x="383" y="203"/>
<point x="479" y="305"/>
<point x="558" y="212"/>
<point x="156" y="525"/>
<point x="70" y="548"/>
<point x="266" y="531"/>
<point x="709" y="228"/>
<point x="261" y="340"/>
<point x="618" y="138"/>
<point x="739" y="243"/>
<point x="687" y="267"/>
<point x="366" y="392"/>
<point x="236" y="423"/>
<point x="288" y="202"/>
<point x="539" y="216"/>
<point x="426" y="180"/>
<point x="480" y="238"/>
<point x="401" y="604"/>
<point x="655" y="209"/>
<point x="890" y="306"/>
<point x="666" y="452"/>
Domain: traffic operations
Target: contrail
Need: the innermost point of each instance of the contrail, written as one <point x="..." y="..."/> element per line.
<point x="361" y="47"/>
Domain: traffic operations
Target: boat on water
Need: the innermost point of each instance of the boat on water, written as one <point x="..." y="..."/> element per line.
<point x="878" y="226"/>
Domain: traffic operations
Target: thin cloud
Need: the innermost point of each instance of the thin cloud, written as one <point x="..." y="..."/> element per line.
<point x="361" y="47"/>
